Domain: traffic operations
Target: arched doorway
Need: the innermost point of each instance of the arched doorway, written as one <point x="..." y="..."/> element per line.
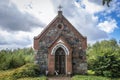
<point x="60" y="61"/>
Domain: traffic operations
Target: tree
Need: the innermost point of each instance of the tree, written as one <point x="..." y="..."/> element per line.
<point x="15" y="58"/>
<point x="106" y="2"/>
<point x="104" y="58"/>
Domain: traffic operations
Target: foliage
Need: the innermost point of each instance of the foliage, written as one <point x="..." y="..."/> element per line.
<point x="106" y="2"/>
<point x="28" y="70"/>
<point x="81" y="77"/>
<point x="108" y="66"/>
<point x="12" y="59"/>
<point x="104" y="58"/>
<point x="90" y="72"/>
<point x="6" y="75"/>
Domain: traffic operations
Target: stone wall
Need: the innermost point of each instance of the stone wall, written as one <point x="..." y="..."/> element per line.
<point x="78" y="54"/>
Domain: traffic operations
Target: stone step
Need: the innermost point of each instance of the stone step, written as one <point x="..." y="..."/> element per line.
<point x="59" y="78"/>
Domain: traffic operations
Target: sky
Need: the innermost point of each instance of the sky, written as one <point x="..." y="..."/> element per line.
<point x="21" y="20"/>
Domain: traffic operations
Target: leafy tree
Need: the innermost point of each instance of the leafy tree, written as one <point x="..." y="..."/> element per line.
<point x="15" y="58"/>
<point x="106" y="2"/>
<point x="104" y="58"/>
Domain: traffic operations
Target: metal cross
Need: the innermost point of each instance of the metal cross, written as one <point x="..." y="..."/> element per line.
<point x="60" y="7"/>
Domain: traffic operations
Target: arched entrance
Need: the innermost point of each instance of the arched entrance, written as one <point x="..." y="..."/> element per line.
<point x="60" y="61"/>
<point x="60" y="58"/>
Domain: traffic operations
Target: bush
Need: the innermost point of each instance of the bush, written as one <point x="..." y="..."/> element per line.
<point x="16" y="61"/>
<point x="107" y="73"/>
<point x="4" y="61"/>
<point x="107" y="65"/>
<point x="90" y="72"/>
<point x="28" y="70"/>
<point x="104" y="58"/>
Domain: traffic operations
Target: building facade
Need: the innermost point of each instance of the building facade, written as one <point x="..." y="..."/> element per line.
<point x="61" y="48"/>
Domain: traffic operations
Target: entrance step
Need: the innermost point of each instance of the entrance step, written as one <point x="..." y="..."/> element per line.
<point x="59" y="78"/>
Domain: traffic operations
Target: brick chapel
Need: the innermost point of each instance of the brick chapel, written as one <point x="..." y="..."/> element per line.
<point x="61" y="48"/>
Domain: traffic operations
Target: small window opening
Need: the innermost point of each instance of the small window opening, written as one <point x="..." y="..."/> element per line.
<point x="60" y="26"/>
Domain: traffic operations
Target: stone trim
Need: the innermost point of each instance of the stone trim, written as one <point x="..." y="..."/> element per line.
<point x="58" y="46"/>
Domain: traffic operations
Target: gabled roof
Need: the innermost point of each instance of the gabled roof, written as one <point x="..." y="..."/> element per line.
<point x="60" y="39"/>
<point x="59" y="16"/>
<point x="45" y="30"/>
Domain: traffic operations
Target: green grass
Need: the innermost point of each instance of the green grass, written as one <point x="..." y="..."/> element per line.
<point x="6" y="75"/>
<point x="85" y="77"/>
<point x="35" y="78"/>
<point x="27" y="78"/>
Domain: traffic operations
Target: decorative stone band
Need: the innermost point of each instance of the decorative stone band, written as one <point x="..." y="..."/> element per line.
<point x="58" y="46"/>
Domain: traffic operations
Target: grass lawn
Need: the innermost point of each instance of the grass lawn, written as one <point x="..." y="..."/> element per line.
<point x="6" y="75"/>
<point x="35" y="78"/>
<point x="85" y="77"/>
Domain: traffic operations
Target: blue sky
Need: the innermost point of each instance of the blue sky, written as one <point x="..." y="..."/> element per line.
<point x="21" y="20"/>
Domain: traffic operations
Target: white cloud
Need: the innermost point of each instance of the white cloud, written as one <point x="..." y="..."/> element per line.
<point x="12" y="19"/>
<point x="42" y="9"/>
<point x="20" y="39"/>
<point x="108" y="26"/>
<point x="92" y="7"/>
<point x="80" y="14"/>
<point x="83" y="19"/>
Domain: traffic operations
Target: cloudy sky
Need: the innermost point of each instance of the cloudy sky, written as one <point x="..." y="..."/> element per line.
<point x="21" y="20"/>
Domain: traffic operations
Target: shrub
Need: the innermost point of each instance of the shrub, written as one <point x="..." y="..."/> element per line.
<point x="4" y="61"/>
<point x="104" y="58"/>
<point x="28" y="70"/>
<point x="107" y="73"/>
<point x="90" y="72"/>
<point x="107" y="65"/>
<point x="16" y="61"/>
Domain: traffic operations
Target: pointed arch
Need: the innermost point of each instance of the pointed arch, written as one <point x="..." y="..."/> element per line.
<point x="58" y="46"/>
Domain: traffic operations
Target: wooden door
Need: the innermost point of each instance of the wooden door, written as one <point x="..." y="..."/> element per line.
<point x="60" y="61"/>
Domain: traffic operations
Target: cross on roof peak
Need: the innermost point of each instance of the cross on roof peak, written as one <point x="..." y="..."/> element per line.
<point x="60" y="8"/>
